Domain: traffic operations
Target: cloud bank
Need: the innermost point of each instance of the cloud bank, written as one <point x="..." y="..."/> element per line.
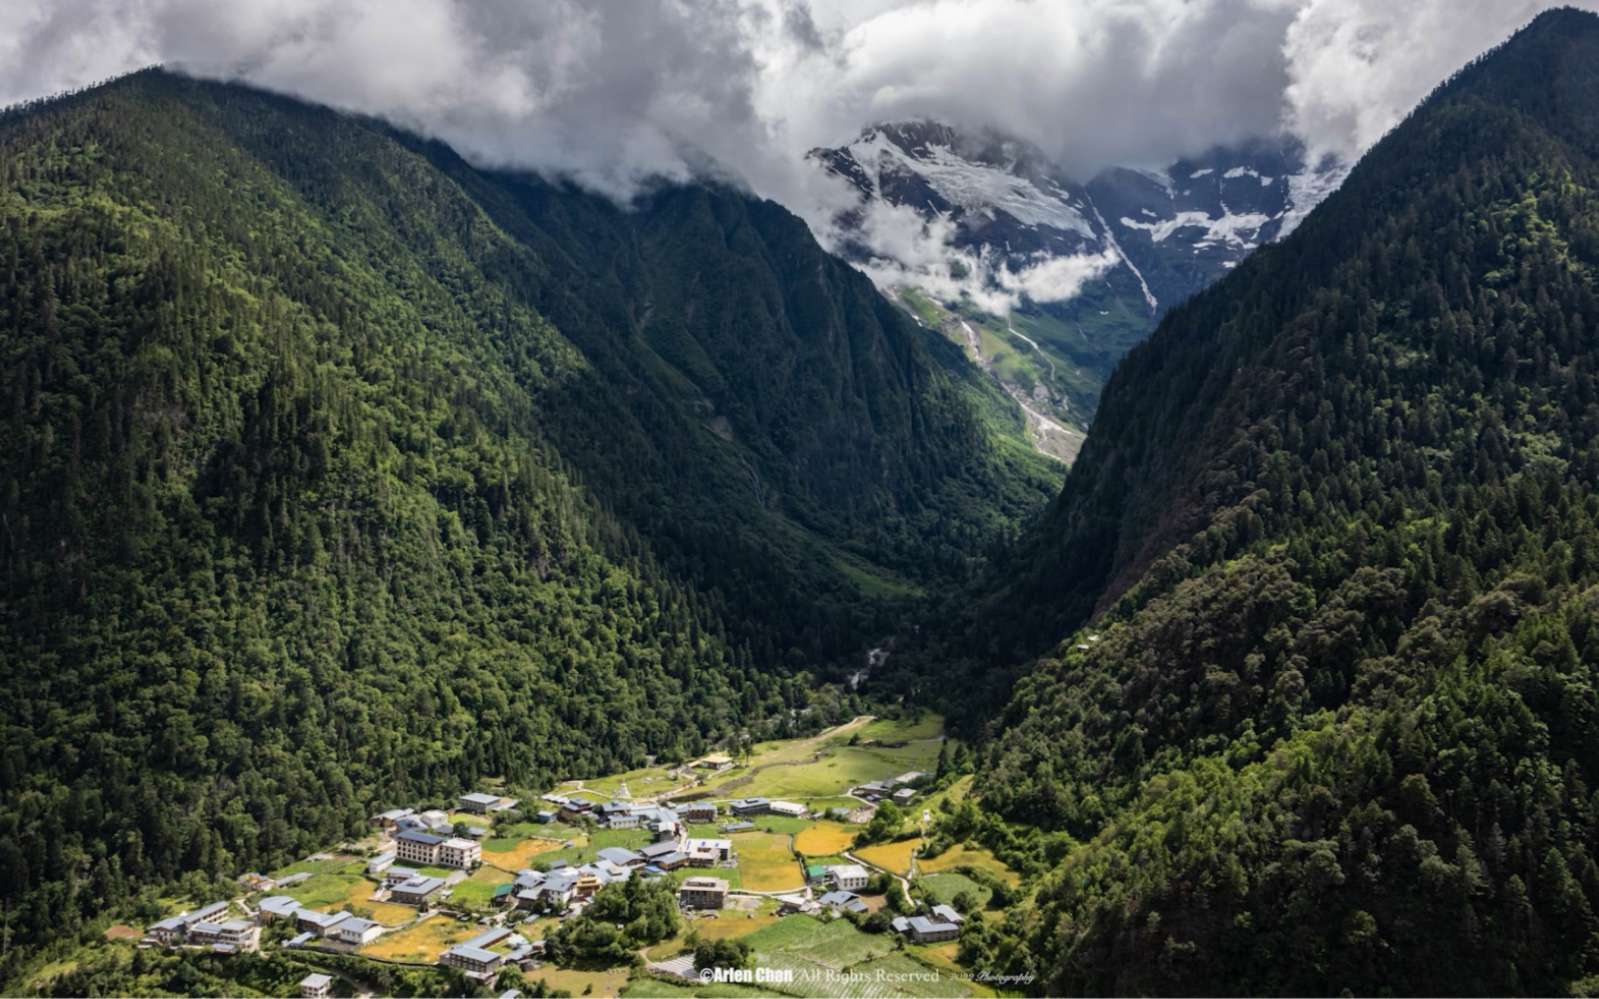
<point x="611" y="92"/>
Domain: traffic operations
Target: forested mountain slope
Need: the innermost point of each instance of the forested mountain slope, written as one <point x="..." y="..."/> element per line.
<point x="336" y="472"/>
<point x="1337" y="529"/>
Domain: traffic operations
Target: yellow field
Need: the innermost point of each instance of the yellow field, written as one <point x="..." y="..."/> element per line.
<point x="519" y="856"/>
<point x="765" y="863"/>
<point x="423" y="942"/>
<point x="731" y="925"/>
<point x="824" y="839"/>
<point x="600" y="983"/>
<point x="959" y="856"/>
<point x="891" y="856"/>
<point x="387" y="913"/>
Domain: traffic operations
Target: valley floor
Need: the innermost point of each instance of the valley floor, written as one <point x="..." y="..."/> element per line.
<point x="800" y="945"/>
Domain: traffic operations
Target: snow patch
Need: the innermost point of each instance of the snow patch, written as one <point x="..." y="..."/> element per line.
<point x="1306" y="191"/>
<point x="976" y="187"/>
<point x="1201" y="173"/>
<point x="1236" y="230"/>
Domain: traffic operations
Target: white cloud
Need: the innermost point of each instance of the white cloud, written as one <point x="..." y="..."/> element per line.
<point x="609" y="91"/>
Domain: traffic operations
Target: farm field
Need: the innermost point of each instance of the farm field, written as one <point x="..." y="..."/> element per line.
<point x="766" y="863"/>
<point x="733" y="924"/>
<point x="824" y="838"/>
<point x="514" y="854"/>
<point x="960" y="856"/>
<point x="359" y="895"/>
<point x="424" y="941"/>
<point x="581" y="983"/>
<point x="479" y="888"/>
<point x="894" y="857"/>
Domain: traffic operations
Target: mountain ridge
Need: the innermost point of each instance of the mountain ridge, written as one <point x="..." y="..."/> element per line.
<point x="1325" y="568"/>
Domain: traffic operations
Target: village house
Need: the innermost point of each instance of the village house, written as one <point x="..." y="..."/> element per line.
<point x="461" y="853"/>
<point x="708" y="852"/>
<point x="418" y="891"/>
<point x="714" y="762"/>
<point x="176" y="928"/>
<point x="416" y="847"/>
<point x="621" y="856"/>
<point x="391" y="818"/>
<point x="380" y="863"/>
<point x="840" y="900"/>
<point x="618" y="815"/>
<point x="733" y="827"/>
<point x="474" y="956"/>
<point x="943" y="923"/>
<point x="396" y="874"/>
<point x="849" y="877"/>
<point x="545" y="816"/>
<point x="787" y="809"/>
<point x="475" y="961"/>
<point x="875" y="790"/>
<point x="750" y="806"/>
<point x="482" y="804"/>
<point x="904" y="795"/>
<point x="703" y="893"/>
<point x="699" y="812"/>
<point x="320" y="923"/>
<point x="277" y="907"/>
<point x="239" y="933"/>
<point x="355" y="931"/>
<point x="316" y="987"/>
<point x="574" y="809"/>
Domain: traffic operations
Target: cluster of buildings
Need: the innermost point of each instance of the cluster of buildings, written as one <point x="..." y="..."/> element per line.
<point x="483" y="956"/>
<point x="207" y="927"/>
<point x="334" y="927"/>
<point x="877" y="790"/>
<point x="941" y="923"/>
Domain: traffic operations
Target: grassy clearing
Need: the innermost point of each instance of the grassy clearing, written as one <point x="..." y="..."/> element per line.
<point x="479" y="888"/>
<point x="312" y="867"/>
<point x="647" y="782"/>
<point x="359" y="895"/>
<point x="926" y="726"/>
<point x="961" y="856"/>
<point x="844" y="767"/>
<point x="875" y="582"/>
<point x="423" y="942"/>
<point x="558" y="831"/>
<point x="824" y="838"/>
<point x="947" y="886"/>
<point x="472" y="819"/>
<point x="766" y="863"/>
<point x="579" y="983"/>
<point x="330" y="891"/>
<point x="894" y="857"/>
<point x="781" y="824"/>
<point x="515" y="854"/>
